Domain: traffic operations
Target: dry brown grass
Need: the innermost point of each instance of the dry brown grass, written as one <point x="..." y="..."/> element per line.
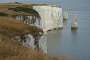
<point x="12" y="50"/>
<point x="11" y="27"/>
<point x="6" y="6"/>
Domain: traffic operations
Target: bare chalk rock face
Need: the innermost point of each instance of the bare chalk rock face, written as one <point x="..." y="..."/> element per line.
<point x="51" y="17"/>
<point x="29" y="41"/>
<point x="43" y="44"/>
<point x="74" y="23"/>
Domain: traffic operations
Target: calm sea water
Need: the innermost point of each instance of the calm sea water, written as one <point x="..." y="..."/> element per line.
<point x="66" y="42"/>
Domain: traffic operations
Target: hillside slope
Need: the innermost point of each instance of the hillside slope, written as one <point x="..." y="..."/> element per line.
<point x="11" y="49"/>
<point x="12" y="28"/>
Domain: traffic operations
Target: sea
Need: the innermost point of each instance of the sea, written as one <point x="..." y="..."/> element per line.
<point x="72" y="43"/>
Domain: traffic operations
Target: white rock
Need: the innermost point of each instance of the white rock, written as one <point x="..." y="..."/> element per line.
<point x="51" y="17"/>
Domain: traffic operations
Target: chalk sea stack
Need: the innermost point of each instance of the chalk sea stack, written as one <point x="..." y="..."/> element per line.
<point x="74" y="23"/>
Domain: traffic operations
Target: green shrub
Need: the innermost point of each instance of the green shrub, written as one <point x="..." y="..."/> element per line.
<point x="3" y="14"/>
<point x="26" y="10"/>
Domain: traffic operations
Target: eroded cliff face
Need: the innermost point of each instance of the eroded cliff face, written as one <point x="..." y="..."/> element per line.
<point x="29" y="41"/>
<point x="51" y="17"/>
<point x="16" y="30"/>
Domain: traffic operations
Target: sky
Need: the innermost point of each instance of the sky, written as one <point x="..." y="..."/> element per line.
<point x="74" y="4"/>
<point x="32" y="1"/>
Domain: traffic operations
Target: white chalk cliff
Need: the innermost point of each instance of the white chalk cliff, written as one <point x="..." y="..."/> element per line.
<point x="51" y="17"/>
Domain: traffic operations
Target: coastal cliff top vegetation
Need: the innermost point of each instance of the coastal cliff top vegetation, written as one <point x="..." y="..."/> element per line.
<point x="3" y="14"/>
<point x="9" y="5"/>
<point x="28" y="11"/>
<point x="10" y="27"/>
<point x="11" y="49"/>
<point x="18" y="10"/>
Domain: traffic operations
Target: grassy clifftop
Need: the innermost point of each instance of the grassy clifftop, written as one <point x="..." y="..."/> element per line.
<point x="11" y="27"/>
<point x="11" y="49"/>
